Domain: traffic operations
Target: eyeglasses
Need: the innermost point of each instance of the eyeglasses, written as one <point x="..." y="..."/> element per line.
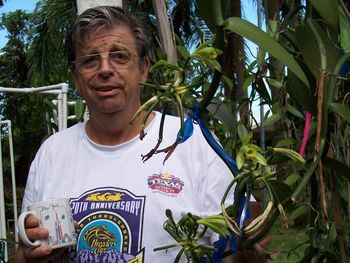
<point x="117" y="60"/>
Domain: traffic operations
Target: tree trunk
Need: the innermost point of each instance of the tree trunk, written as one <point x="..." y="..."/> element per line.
<point x="233" y="67"/>
<point x="165" y="31"/>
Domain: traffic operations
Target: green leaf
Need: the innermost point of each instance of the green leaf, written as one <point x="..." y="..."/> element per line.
<point x="242" y="131"/>
<point x="259" y="158"/>
<point x="301" y="210"/>
<point x="338" y="166"/>
<point x="332" y="235"/>
<point x="295" y="111"/>
<point x="301" y="93"/>
<point x="227" y="81"/>
<point x="316" y="47"/>
<point x="239" y="159"/>
<point x="272" y="119"/>
<point x="263" y="40"/>
<point x="183" y="52"/>
<point x="285" y="142"/>
<point x="290" y="153"/>
<point x="282" y="190"/>
<point x="222" y="112"/>
<point x="341" y="110"/>
<point x="275" y="83"/>
<point x="211" y="12"/>
<point x="248" y="81"/>
<point x="292" y="178"/>
<point x="165" y="64"/>
<point x="328" y="10"/>
<point x="79" y="109"/>
<point x="344" y="31"/>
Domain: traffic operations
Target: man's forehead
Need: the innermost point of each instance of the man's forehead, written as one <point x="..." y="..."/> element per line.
<point x="113" y="38"/>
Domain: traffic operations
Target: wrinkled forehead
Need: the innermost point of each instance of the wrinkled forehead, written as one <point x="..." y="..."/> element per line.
<point x="105" y="36"/>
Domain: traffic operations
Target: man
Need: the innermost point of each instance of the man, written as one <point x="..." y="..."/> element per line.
<point x="98" y="163"/>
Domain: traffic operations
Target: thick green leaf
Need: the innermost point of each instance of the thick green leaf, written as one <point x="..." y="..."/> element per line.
<point x="165" y="64"/>
<point x="342" y="188"/>
<point x="239" y="159"/>
<point x="259" y="158"/>
<point x="285" y="142"/>
<point x="338" y="166"/>
<point x="272" y="119"/>
<point x="242" y="131"/>
<point x="289" y="153"/>
<point x="341" y="110"/>
<point x="79" y="109"/>
<point x="332" y="235"/>
<point x="344" y="31"/>
<point x="227" y="81"/>
<point x="275" y="83"/>
<point x="282" y="190"/>
<point x="211" y="12"/>
<point x="222" y="112"/>
<point x="301" y="94"/>
<point x="301" y="210"/>
<point x="294" y="111"/>
<point x="292" y="178"/>
<point x="263" y="40"/>
<point x="328" y="10"/>
<point x="316" y="48"/>
<point x="183" y="52"/>
<point x="248" y="80"/>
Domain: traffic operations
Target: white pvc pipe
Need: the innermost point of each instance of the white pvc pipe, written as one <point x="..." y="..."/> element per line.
<point x="13" y="177"/>
<point x="82" y="5"/>
<point x="61" y="91"/>
<point x="58" y="89"/>
<point x="2" y="204"/>
<point x="64" y="90"/>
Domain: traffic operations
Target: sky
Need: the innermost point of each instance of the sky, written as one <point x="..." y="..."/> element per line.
<point x="29" y="5"/>
<point x="13" y="5"/>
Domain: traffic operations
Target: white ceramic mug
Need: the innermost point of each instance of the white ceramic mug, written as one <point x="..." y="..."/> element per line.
<point x="56" y="216"/>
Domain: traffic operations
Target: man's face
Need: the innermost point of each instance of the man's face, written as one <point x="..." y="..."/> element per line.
<point x="109" y="88"/>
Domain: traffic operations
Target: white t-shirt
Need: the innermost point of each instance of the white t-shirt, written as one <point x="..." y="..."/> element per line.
<point x="112" y="189"/>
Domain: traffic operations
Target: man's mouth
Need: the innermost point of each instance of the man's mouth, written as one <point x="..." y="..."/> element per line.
<point x="109" y="88"/>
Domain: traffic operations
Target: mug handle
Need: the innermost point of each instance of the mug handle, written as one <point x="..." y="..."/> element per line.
<point x="22" y="230"/>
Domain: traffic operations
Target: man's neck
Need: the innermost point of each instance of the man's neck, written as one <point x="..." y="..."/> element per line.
<point x="114" y="129"/>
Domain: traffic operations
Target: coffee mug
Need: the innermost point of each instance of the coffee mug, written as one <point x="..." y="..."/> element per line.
<point x="56" y="216"/>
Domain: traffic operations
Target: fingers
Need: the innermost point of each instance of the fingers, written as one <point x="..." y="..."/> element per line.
<point x="37" y="254"/>
<point x="33" y="229"/>
<point x="41" y="254"/>
<point x="76" y="225"/>
<point x="265" y="241"/>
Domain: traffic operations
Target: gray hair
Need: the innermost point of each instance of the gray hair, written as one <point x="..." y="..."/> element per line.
<point x="106" y="16"/>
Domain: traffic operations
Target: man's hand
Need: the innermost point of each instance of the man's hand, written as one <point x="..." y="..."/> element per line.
<point x="40" y="254"/>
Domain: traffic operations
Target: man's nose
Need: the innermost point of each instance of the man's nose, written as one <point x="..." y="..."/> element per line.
<point x="105" y="65"/>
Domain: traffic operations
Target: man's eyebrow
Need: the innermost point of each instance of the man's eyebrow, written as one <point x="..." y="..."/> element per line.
<point x="117" y="46"/>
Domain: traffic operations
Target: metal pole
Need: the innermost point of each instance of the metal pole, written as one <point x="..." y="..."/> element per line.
<point x="262" y="128"/>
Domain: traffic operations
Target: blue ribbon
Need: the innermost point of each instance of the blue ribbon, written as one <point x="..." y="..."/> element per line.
<point x="230" y="162"/>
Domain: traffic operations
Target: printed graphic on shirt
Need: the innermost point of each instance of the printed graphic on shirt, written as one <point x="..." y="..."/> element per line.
<point x="165" y="183"/>
<point x="110" y="226"/>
